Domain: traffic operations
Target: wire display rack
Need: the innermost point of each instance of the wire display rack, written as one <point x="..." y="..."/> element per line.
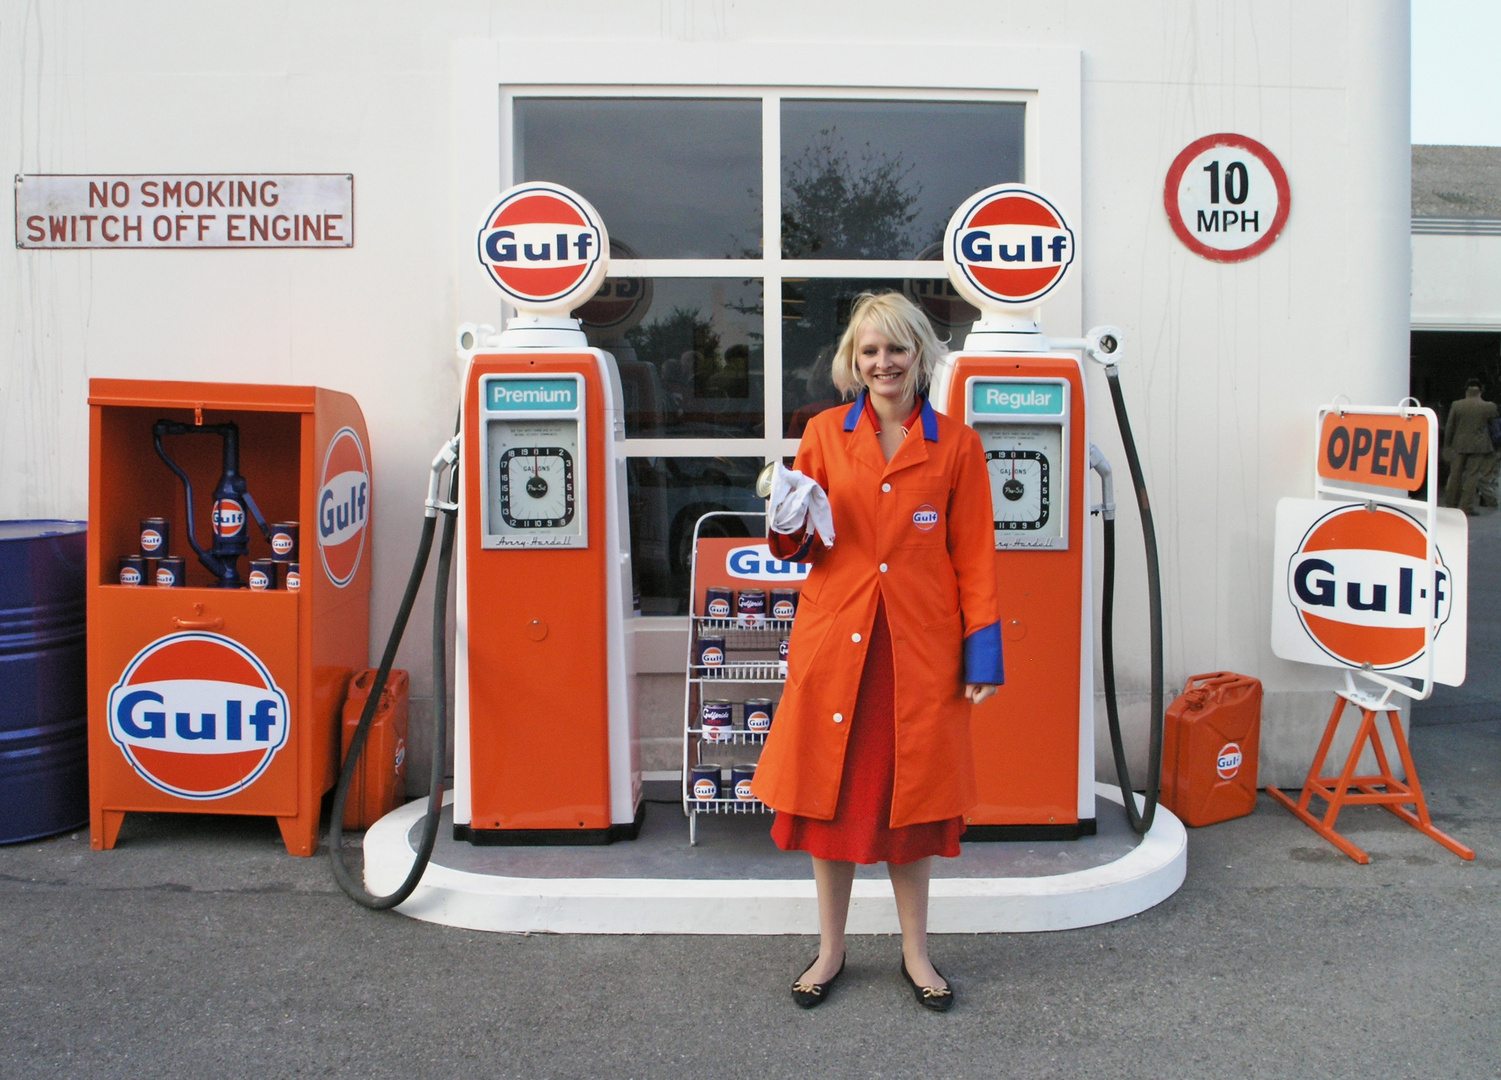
<point x="749" y="667"/>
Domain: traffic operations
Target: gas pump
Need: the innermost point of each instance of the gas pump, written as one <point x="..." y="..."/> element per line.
<point x="545" y="748"/>
<point x="545" y="742"/>
<point x="1006" y="249"/>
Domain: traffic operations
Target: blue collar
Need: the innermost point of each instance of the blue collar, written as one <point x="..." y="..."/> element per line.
<point x="929" y="417"/>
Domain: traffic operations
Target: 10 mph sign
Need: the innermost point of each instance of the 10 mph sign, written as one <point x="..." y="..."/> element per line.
<point x="1227" y="197"/>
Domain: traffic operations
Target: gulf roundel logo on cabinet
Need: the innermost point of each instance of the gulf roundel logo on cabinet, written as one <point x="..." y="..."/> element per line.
<point x="1007" y="246"/>
<point x="343" y="506"/>
<point x="544" y="246"/>
<point x="198" y="715"/>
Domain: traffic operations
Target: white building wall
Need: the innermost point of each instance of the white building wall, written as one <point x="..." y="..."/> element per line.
<point x="1225" y="367"/>
<point x="1456" y="282"/>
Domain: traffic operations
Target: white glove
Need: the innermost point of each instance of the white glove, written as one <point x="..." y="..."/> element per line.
<point x="796" y="502"/>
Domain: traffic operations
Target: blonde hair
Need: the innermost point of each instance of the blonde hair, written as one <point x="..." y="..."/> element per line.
<point x="900" y="320"/>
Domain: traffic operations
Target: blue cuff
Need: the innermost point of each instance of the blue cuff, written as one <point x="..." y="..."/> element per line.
<point x="982" y="656"/>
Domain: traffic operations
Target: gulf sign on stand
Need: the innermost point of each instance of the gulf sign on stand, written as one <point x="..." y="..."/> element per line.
<point x="544" y="246"/>
<point x="1008" y="246"/>
<point x="1352" y="587"/>
<point x="198" y="715"/>
<point x="343" y="506"/>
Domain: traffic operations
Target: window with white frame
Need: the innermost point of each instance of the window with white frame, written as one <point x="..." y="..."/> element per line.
<point x="743" y="223"/>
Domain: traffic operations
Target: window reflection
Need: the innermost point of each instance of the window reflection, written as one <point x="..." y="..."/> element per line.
<point x="880" y="179"/>
<point x="689" y="352"/>
<point x="815" y="312"/>
<point x="676" y="178"/>
<point x="667" y="496"/>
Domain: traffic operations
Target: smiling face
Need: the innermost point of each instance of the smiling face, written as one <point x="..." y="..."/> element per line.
<point x="884" y="365"/>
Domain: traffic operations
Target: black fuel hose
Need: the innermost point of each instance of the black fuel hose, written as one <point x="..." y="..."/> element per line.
<point x="347" y="881"/>
<point x="1141" y="820"/>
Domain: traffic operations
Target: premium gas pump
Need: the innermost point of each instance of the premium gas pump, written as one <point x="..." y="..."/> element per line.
<point x="1007" y="248"/>
<point x="545" y="740"/>
<point x="545" y="748"/>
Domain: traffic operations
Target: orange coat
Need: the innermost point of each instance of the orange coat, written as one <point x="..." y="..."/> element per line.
<point x="918" y="529"/>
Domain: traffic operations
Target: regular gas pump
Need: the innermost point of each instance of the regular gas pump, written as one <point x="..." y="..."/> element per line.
<point x="545" y="748"/>
<point x="1007" y="248"/>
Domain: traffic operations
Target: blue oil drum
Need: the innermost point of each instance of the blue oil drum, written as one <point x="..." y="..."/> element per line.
<point x="44" y="778"/>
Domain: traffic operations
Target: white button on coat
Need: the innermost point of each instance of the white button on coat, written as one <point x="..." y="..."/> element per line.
<point x="885" y="487"/>
<point x="855" y="638"/>
<point x="839" y="718"/>
<point x="883" y="568"/>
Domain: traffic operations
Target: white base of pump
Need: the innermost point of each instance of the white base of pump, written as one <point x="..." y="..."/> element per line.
<point x="525" y="901"/>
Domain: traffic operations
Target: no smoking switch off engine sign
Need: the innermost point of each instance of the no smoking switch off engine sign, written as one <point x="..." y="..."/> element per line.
<point x="1227" y="197"/>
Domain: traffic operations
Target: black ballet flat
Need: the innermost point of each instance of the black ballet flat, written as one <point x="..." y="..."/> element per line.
<point x="930" y="997"/>
<point x="809" y="994"/>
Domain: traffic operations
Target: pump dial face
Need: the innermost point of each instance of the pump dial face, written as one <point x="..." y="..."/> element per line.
<point x="1025" y="463"/>
<point x="1021" y="478"/>
<point x="536" y="487"/>
<point x="535" y="490"/>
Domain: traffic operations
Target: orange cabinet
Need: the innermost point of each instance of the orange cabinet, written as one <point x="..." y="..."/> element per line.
<point x="213" y="700"/>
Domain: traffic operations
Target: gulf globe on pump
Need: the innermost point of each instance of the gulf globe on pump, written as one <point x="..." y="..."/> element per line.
<point x="1359" y="583"/>
<point x="544" y="246"/>
<point x="343" y="506"/>
<point x="198" y="715"/>
<point x="1008" y="246"/>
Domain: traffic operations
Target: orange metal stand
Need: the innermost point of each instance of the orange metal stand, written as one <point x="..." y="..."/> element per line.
<point x="1382" y="789"/>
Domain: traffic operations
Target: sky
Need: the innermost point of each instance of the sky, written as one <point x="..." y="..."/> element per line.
<point x="1456" y="72"/>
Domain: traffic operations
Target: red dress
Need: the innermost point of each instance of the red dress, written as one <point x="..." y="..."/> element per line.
<point x="861" y="829"/>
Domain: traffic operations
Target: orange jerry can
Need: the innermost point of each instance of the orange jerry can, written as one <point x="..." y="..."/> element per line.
<point x="1209" y="748"/>
<point x="379" y="783"/>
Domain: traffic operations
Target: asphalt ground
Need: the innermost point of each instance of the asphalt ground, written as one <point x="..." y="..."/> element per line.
<point x="199" y="948"/>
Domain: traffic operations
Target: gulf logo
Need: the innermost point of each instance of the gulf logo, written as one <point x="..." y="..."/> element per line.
<point x="705" y="788"/>
<point x="197" y="715"/>
<point x="1227" y="763"/>
<point x="925" y="517"/>
<point x="1007" y="246"/>
<point x="228" y="518"/>
<point x="755" y="562"/>
<point x="544" y="246"/>
<point x="343" y="506"/>
<point x="619" y="304"/>
<point x="937" y="297"/>
<point x="1359" y="583"/>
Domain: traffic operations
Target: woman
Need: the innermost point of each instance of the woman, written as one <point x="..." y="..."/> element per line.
<point x="897" y="636"/>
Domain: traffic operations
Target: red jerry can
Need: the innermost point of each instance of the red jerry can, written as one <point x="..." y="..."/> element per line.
<point x="1209" y="748"/>
<point x="379" y="783"/>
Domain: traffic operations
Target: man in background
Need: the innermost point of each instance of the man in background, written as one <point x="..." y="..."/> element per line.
<point x="1467" y="442"/>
